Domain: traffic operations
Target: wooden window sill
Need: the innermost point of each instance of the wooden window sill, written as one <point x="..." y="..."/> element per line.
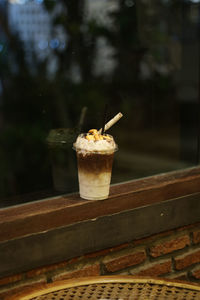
<point x="39" y="216"/>
<point x="60" y="228"/>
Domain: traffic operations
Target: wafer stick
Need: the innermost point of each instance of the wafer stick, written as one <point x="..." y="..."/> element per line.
<point x="111" y="122"/>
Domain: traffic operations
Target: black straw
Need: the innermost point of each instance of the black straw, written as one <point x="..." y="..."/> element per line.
<point x="104" y="117"/>
<point x="82" y="118"/>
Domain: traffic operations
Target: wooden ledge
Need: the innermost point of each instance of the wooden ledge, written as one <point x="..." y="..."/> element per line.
<point x="58" y="229"/>
<point x="44" y="215"/>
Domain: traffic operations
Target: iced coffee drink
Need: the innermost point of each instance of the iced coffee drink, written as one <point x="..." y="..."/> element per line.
<point x="95" y="153"/>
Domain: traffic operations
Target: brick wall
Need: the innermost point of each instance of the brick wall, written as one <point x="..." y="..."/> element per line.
<point x="174" y="254"/>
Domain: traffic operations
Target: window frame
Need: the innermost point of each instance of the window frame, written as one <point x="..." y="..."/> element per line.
<point x="55" y="212"/>
<point x="60" y="228"/>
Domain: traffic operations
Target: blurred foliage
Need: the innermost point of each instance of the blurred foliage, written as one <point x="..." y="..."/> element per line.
<point x="33" y="103"/>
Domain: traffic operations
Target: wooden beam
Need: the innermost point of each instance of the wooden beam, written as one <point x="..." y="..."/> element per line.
<point x="56" y="212"/>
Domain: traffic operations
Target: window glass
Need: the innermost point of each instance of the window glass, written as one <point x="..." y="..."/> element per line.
<point x="63" y="62"/>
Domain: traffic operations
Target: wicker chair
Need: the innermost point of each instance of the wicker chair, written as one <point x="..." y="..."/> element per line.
<point x="112" y="287"/>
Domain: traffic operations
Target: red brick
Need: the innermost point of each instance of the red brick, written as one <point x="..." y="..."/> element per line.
<point x="42" y="270"/>
<point x="156" y="269"/>
<point x="182" y="276"/>
<point x="170" y="246"/>
<point x="125" y="261"/>
<point x="93" y="270"/>
<point x="10" y="279"/>
<point x="188" y="227"/>
<point x="196" y="273"/>
<point x="11" y="290"/>
<point x="106" y="251"/>
<point x="152" y="238"/>
<point x="196" y="237"/>
<point x="165" y="234"/>
<point x="187" y="260"/>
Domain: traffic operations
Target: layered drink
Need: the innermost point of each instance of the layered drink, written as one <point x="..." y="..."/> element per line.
<point x="95" y="153"/>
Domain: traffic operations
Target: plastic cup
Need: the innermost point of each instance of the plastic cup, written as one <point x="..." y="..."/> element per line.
<point x="63" y="166"/>
<point x="94" y="172"/>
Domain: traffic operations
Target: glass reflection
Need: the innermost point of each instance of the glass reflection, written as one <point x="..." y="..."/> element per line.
<point x="61" y="62"/>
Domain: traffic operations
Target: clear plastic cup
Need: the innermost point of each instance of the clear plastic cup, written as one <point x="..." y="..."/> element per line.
<point x="94" y="172"/>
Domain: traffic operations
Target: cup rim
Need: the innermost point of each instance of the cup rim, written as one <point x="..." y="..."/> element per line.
<point x="95" y="151"/>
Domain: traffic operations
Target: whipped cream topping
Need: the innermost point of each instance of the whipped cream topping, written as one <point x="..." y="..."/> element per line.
<point x="105" y="145"/>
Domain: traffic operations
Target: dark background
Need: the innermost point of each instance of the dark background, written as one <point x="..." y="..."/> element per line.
<point x="137" y="57"/>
